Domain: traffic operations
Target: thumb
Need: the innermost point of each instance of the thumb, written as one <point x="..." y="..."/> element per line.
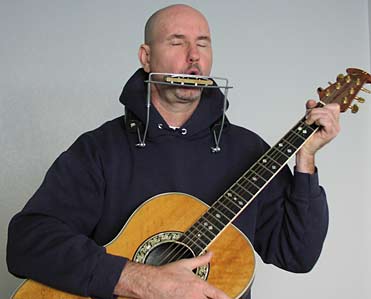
<point x="198" y="261"/>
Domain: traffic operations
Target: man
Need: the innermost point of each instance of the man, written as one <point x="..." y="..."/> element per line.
<point x="92" y="188"/>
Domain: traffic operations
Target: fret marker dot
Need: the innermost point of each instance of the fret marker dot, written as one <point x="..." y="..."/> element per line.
<point x="304" y="131"/>
<point x="198" y="235"/>
<point x="240" y="203"/>
<point x="206" y="224"/>
<point x="210" y="227"/>
<point x="254" y="179"/>
<point x="217" y="215"/>
<point x="289" y="150"/>
<point x="300" y="128"/>
<point x="274" y="167"/>
<point x="229" y="194"/>
<point x="235" y="198"/>
<point x="264" y="160"/>
<point x="280" y="145"/>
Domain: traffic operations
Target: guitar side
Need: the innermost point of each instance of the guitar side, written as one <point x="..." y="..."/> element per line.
<point x="231" y="268"/>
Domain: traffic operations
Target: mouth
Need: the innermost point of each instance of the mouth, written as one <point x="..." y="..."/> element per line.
<point x="193" y="71"/>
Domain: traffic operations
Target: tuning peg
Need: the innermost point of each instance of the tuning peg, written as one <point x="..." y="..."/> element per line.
<point x="330" y="83"/>
<point x="337" y="85"/>
<point x="354" y="108"/>
<point x="360" y="100"/>
<point x="339" y="77"/>
<point x="365" y="90"/>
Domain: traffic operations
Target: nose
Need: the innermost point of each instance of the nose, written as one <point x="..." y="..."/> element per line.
<point x="193" y="53"/>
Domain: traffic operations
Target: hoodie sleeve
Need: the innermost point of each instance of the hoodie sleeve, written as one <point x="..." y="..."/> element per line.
<point x="292" y="221"/>
<point x="49" y="240"/>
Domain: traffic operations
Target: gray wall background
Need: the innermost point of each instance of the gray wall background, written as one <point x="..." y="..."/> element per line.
<point x="63" y="64"/>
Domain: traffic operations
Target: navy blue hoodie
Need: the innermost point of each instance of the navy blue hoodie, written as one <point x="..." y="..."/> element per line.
<point x="91" y="190"/>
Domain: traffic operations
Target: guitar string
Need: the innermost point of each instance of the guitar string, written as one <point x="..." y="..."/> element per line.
<point x="244" y="184"/>
<point x="274" y="157"/>
<point x="276" y="153"/>
<point x="240" y="188"/>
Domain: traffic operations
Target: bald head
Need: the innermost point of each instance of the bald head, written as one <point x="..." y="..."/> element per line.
<point x="157" y="20"/>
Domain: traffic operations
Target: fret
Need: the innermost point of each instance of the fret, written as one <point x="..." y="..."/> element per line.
<point x="261" y="170"/>
<point x="279" y="147"/>
<point x="192" y="236"/>
<point x="233" y="205"/>
<point x="194" y="239"/>
<point x="311" y="127"/>
<point x="294" y="132"/>
<point x="238" y="199"/>
<point x="279" y="159"/>
<point x="248" y="184"/>
<point x="201" y="231"/>
<point x="224" y="213"/>
<point x="265" y="166"/>
<point x="254" y="178"/>
<point x="219" y="215"/>
<point x="291" y="145"/>
<point x="259" y="175"/>
<point x="207" y="228"/>
<point x="237" y="195"/>
<point x="226" y="207"/>
<point x="296" y="143"/>
<point x="243" y="188"/>
<point x="273" y="164"/>
<point x="216" y="224"/>
<point x="235" y="199"/>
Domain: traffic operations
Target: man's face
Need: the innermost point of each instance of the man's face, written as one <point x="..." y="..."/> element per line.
<point x="181" y="43"/>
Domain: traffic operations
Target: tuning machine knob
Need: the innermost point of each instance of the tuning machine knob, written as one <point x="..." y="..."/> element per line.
<point x="354" y="108"/>
<point x="339" y="77"/>
<point x="360" y="100"/>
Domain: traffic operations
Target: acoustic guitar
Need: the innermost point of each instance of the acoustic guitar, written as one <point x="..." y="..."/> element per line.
<point x="159" y="232"/>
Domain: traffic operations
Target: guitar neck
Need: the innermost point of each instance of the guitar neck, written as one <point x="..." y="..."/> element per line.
<point x="230" y="204"/>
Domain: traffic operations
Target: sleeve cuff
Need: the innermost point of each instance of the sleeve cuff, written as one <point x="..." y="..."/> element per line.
<point x="106" y="275"/>
<point x="305" y="184"/>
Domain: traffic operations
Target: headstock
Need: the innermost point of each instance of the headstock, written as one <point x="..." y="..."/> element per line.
<point x="345" y="89"/>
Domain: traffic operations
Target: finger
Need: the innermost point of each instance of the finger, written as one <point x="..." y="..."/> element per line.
<point x="198" y="261"/>
<point x="310" y="104"/>
<point x="330" y="112"/>
<point x="321" y="118"/>
<point x="328" y="121"/>
<point x="214" y="293"/>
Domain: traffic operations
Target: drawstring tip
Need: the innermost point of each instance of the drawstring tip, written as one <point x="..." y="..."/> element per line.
<point x="215" y="149"/>
<point x="140" y="144"/>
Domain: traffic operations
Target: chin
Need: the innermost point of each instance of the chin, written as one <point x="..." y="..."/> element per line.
<point x="188" y="94"/>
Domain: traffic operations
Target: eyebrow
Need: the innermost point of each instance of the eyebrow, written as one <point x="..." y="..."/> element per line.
<point x="182" y="36"/>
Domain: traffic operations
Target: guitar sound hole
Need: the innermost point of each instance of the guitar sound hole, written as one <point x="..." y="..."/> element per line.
<point x="168" y="252"/>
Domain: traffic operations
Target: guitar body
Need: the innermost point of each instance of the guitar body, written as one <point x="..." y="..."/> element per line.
<point x="231" y="268"/>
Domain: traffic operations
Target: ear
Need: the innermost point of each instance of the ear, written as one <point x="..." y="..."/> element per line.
<point x="144" y="55"/>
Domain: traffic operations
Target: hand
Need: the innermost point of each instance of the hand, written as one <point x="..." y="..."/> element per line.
<point x="328" y="120"/>
<point x="174" y="280"/>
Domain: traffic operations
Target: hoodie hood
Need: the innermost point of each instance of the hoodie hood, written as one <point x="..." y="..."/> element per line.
<point x="208" y="111"/>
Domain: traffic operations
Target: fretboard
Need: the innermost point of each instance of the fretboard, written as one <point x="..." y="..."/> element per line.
<point x="230" y="204"/>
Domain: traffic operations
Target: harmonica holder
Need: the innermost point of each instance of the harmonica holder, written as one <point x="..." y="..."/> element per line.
<point x="189" y="81"/>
